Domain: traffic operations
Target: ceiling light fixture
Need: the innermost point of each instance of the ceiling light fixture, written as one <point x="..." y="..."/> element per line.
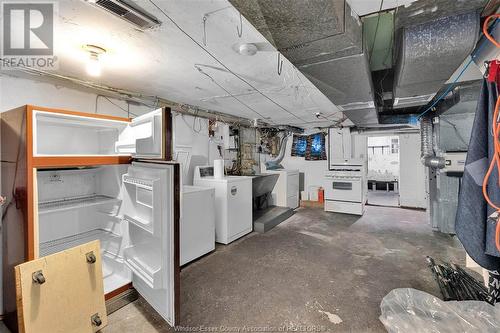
<point x="247" y="49"/>
<point x="93" y="61"/>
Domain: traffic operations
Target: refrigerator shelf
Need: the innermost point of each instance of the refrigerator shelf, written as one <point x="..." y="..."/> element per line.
<point x="141" y="182"/>
<point x="145" y="262"/>
<point x="74" y="203"/>
<point x="110" y="243"/>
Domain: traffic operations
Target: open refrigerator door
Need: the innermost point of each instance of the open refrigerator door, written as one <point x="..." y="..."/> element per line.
<point x="148" y="209"/>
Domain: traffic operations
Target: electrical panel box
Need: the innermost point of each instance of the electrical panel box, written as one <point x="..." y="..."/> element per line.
<point x="455" y="162"/>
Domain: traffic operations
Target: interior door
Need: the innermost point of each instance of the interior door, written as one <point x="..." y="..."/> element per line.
<point x="62" y="292"/>
<point x="151" y="209"/>
<point x="147" y="136"/>
<point x="412" y="175"/>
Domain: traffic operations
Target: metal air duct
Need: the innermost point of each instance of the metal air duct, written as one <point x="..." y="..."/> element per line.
<point x="324" y="40"/>
<point x="275" y="163"/>
<point x="429" y="53"/>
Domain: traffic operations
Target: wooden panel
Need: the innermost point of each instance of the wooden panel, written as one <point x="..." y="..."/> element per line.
<point x="168" y="142"/>
<point x="177" y="246"/>
<point x="36" y="230"/>
<point x="70" y="296"/>
<point x="15" y="211"/>
<point x="118" y="291"/>
<point x="74" y="161"/>
<point x="76" y="113"/>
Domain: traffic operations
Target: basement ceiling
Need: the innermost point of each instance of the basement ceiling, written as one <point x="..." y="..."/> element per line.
<point x="165" y="62"/>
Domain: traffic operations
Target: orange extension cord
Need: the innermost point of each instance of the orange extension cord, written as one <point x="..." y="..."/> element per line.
<point x="496" y="130"/>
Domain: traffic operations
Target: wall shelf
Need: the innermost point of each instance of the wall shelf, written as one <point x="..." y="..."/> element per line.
<point x="110" y="242"/>
<point x="60" y="205"/>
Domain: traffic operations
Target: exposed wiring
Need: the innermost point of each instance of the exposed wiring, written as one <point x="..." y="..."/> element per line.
<point x="127" y="110"/>
<point x="205" y="18"/>
<point x="472" y="57"/>
<point x="457" y="132"/>
<point x="297" y="73"/>
<point x="222" y="64"/>
<point x="239" y="29"/>
<point x="228" y="92"/>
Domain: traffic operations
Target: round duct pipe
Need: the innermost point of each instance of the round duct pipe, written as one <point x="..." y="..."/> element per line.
<point x="428" y="156"/>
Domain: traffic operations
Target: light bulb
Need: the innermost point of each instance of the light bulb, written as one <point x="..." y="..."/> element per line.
<point x="93" y="65"/>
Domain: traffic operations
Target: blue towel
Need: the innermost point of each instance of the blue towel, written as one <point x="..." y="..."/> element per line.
<point x="472" y="214"/>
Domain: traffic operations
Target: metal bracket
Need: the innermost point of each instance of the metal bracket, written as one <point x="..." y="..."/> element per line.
<point x="96" y="320"/>
<point x="280" y="64"/>
<point x="38" y="277"/>
<point x="240" y="28"/>
<point x="91" y="258"/>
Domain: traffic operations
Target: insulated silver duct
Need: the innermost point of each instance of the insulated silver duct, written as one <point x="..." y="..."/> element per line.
<point x="324" y="40"/>
<point x="429" y="53"/>
<point x="426" y="137"/>
<point x="428" y="156"/>
<point x="275" y="163"/>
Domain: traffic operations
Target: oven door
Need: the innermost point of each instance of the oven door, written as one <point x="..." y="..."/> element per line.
<point x="346" y="189"/>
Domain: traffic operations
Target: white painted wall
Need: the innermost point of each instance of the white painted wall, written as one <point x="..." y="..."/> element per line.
<point x="313" y="171"/>
<point x="15" y="92"/>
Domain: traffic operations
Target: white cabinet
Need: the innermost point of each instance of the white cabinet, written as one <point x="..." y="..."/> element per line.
<point x="339" y="145"/>
<point x="197" y="222"/>
<point x="286" y="190"/>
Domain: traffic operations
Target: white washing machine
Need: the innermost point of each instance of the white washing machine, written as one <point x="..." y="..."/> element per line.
<point x="197" y="225"/>
<point x="233" y="203"/>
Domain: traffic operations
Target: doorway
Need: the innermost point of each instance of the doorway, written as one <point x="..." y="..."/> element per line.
<point x="383" y="171"/>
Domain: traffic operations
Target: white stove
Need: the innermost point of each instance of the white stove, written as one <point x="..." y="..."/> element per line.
<point x="344" y="186"/>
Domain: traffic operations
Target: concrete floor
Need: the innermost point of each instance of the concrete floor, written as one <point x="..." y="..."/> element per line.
<point x="317" y="269"/>
<point x="383" y="198"/>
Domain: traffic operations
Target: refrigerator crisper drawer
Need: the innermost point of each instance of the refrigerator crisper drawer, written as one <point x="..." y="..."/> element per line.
<point x="145" y="262"/>
<point x="142" y="202"/>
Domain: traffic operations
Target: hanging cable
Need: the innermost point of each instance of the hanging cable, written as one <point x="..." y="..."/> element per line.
<point x="240" y="28"/>
<point x="229" y="93"/>
<point x="222" y="64"/>
<point x="485" y="29"/>
<point x="280" y="64"/>
<point x="495" y="162"/>
<point x="472" y="57"/>
<point x="205" y="30"/>
<point x="205" y="18"/>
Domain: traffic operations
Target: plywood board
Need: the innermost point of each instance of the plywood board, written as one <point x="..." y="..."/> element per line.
<point x="71" y="294"/>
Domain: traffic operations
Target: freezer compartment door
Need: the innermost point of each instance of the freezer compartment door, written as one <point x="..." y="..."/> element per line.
<point x="149" y="209"/>
<point x="145" y="136"/>
<point x="62" y="292"/>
